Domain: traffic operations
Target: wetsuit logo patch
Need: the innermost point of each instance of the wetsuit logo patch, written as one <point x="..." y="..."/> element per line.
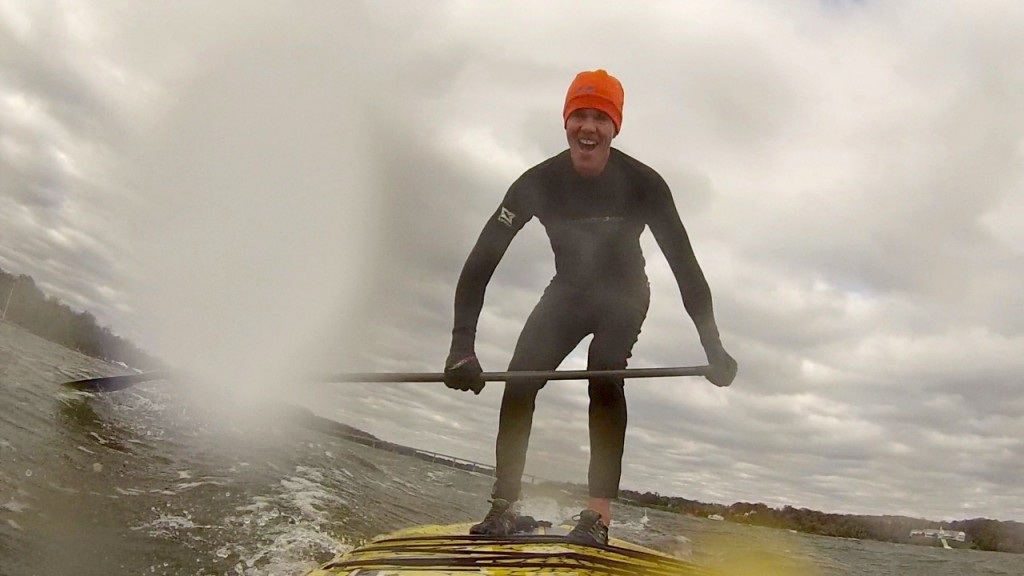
<point x="506" y="217"/>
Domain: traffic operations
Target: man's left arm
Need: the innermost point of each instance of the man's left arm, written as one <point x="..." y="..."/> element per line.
<point x="674" y="242"/>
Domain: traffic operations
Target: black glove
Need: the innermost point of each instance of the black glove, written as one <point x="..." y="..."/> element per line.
<point x="463" y="373"/>
<point x="723" y="366"/>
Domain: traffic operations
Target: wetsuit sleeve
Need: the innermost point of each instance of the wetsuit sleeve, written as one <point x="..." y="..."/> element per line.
<point x="668" y="230"/>
<point x="515" y="211"/>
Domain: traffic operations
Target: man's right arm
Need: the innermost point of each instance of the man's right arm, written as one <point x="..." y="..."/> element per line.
<point x="515" y="211"/>
<point x="462" y="369"/>
<point x="476" y="274"/>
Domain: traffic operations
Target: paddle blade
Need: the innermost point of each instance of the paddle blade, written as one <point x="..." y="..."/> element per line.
<point x="114" y="383"/>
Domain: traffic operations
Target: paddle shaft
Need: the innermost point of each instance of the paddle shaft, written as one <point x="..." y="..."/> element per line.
<point x="113" y="383"/>
<point x="520" y="375"/>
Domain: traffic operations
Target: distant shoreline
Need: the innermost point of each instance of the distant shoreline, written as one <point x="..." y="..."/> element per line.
<point x="994" y="535"/>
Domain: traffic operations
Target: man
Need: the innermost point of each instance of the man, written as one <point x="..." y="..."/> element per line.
<point x="594" y="202"/>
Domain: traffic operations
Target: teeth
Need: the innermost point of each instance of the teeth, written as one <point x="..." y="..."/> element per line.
<point x="587" y="142"/>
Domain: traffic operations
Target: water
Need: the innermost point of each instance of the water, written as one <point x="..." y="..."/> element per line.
<point x="153" y="481"/>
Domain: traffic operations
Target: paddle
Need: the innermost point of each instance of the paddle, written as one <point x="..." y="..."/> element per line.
<point x="113" y="383"/>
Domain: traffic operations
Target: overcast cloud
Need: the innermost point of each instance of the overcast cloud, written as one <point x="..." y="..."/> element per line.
<point x="273" y="189"/>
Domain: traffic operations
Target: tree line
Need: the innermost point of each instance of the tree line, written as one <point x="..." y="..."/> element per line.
<point x="982" y="533"/>
<point x="24" y="304"/>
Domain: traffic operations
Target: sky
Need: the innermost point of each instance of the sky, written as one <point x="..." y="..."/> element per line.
<point x="269" y="190"/>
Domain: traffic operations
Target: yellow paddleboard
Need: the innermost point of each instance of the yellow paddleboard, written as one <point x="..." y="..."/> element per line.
<point x="452" y="551"/>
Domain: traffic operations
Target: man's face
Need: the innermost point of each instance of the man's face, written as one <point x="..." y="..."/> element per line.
<point x="590" y="133"/>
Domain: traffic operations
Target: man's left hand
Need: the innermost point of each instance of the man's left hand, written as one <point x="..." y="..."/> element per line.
<point x="723" y="366"/>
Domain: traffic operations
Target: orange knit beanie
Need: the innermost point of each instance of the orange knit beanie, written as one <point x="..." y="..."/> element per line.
<point x="598" y="90"/>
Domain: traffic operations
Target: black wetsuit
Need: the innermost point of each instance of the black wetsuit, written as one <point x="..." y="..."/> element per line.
<point x="599" y="288"/>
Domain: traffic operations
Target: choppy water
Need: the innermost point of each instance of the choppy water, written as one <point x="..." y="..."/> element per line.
<point x="150" y="481"/>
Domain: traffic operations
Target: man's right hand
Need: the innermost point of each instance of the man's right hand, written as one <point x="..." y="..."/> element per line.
<point x="464" y="374"/>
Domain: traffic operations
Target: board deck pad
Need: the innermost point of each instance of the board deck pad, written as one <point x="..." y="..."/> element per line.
<point x="451" y="551"/>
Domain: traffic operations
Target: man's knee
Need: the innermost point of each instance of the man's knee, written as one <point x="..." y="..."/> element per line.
<point x="607" y="392"/>
<point x="522" y="391"/>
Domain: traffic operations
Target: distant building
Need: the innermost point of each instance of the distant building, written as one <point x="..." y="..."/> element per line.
<point x="939" y="534"/>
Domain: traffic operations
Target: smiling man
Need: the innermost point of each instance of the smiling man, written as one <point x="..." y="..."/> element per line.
<point x="594" y="202"/>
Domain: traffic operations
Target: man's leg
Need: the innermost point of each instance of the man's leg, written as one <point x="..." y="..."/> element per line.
<point x="553" y="329"/>
<point x="621" y="319"/>
<point x="602" y="506"/>
<point x="607" y="439"/>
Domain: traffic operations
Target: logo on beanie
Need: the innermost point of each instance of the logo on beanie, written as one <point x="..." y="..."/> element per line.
<point x="506" y="217"/>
